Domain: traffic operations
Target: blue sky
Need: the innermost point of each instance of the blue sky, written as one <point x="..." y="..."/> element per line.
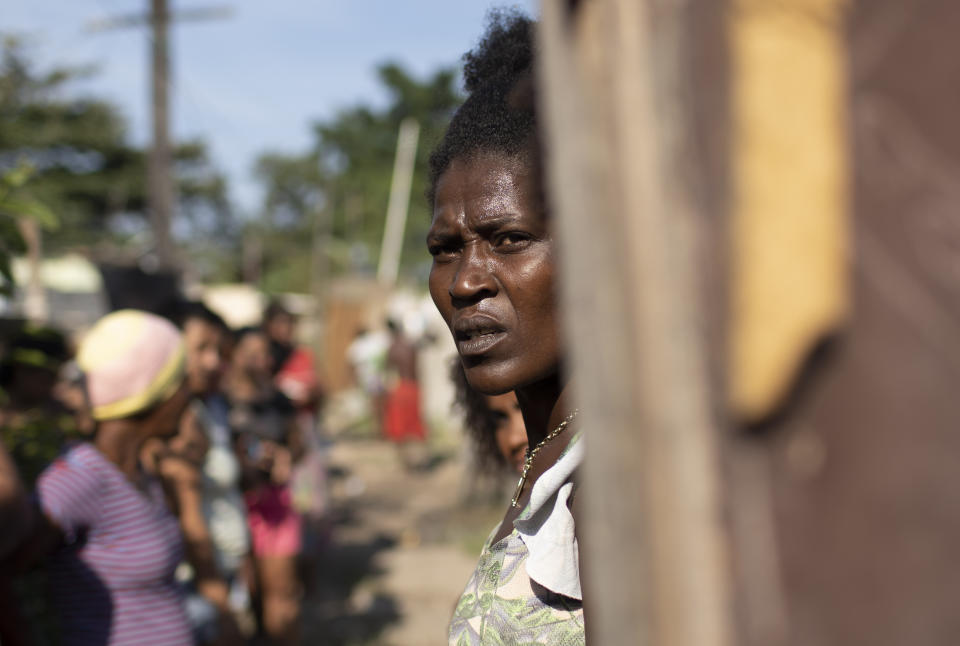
<point x="254" y="81"/>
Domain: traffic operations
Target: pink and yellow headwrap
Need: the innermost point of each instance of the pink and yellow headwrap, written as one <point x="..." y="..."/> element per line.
<point x="132" y="360"/>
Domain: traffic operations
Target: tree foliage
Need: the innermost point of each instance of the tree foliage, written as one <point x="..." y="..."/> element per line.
<point x="17" y="204"/>
<point x="85" y="169"/>
<point x="345" y="178"/>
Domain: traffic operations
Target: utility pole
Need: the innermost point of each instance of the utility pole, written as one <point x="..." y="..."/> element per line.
<point x="160" y="186"/>
<point x="161" y="189"/>
<point x="392" y="245"/>
<point x="319" y="280"/>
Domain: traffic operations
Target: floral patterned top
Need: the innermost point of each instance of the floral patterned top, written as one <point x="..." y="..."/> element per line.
<point x="503" y="604"/>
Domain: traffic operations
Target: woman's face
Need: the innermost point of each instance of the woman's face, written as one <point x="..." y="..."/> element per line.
<point x="164" y="419"/>
<point x="252" y="355"/>
<point x="493" y="272"/>
<point x="203" y="342"/>
<point x="511" y="433"/>
<point x="190" y="442"/>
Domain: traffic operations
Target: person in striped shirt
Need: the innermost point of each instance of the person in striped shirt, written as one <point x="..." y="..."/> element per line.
<point x="110" y="542"/>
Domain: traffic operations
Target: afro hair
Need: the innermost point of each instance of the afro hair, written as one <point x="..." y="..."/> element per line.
<point x="499" y="114"/>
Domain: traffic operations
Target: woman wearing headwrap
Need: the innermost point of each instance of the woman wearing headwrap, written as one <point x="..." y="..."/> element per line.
<point x="111" y="541"/>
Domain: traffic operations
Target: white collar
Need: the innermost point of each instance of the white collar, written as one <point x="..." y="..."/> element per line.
<point x="546" y="526"/>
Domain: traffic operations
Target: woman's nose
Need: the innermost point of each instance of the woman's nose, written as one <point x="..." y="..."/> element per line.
<point x="211" y="360"/>
<point x="518" y="434"/>
<point x="473" y="280"/>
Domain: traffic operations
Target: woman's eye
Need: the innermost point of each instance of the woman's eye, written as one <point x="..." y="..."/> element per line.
<point x="512" y="241"/>
<point x="441" y="252"/>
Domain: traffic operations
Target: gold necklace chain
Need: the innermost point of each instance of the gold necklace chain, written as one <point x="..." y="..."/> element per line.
<point x="528" y="461"/>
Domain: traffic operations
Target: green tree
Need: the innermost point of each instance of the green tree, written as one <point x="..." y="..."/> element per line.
<point x="17" y="204"/>
<point x="346" y="176"/>
<point x="85" y="170"/>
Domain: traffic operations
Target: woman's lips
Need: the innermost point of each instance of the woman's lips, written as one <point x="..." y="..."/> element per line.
<point x="476" y="335"/>
<point x="477" y="344"/>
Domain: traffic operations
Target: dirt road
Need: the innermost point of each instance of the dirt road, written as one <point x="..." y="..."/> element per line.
<point x="401" y="548"/>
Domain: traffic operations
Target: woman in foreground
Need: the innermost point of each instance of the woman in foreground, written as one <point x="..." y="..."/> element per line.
<point x="494" y="262"/>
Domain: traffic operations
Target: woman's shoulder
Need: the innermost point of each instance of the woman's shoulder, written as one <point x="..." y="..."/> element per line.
<point x="71" y="491"/>
<point x="78" y="463"/>
<point x="79" y="457"/>
<point x="490" y="543"/>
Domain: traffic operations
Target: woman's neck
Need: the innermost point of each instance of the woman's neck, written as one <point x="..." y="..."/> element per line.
<point x="120" y="443"/>
<point x="544" y="405"/>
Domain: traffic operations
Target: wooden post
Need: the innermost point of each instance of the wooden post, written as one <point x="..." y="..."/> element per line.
<point x="159" y="167"/>
<point x="830" y="212"/>
<point x="622" y="176"/>
<point x="319" y="280"/>
<point x="35" y="305"/>
<point x="161" y="188"/>
<point x="392" y="246"/>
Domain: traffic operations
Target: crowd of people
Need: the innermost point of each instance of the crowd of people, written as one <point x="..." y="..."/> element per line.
<point x="194" y="447"/>
<point x="169" y="476"/>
